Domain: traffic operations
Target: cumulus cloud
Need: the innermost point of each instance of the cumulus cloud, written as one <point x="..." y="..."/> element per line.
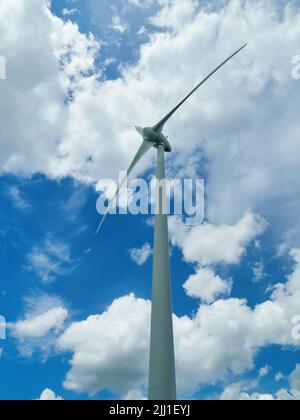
<point x="175" y="14"/>
<point x="245" y="122"/>
<point x="206" y="285"/>
<point x="249" y="142"/>
<point x="233" y="128"/>
<point x="241" y="391"/>
<point x="141" y="255"/>
<point x="49" y="395"/>
<point x="47" y="60"/>
<point x="212" y="244"/>
<point x="110" y="351"/>
<point x="40" y="325"/>
<point x="44" y="319"/>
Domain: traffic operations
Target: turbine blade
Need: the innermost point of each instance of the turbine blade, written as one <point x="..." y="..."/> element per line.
<point x="145" y="146"/>
<point x="160" y="125"/>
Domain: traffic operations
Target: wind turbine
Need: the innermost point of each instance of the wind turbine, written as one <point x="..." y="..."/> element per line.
<point x="162" y="379"/>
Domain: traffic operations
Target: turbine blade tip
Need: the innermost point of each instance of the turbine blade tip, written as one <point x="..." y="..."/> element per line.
<point x="140" y="130"/>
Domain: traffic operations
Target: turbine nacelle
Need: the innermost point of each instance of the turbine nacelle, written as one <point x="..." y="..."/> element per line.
<point x="155" y="137"/>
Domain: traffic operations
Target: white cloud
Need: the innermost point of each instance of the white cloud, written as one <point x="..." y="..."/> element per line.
<point x="118" y="25"/>
<point x="75" y="203"/>
<point x="175" y="13"/>
<point x="279" y="376"/>
<point x="258" y="270"/>
<point x="264" y="371"/>
<point x="140" y="3"/>
<point x="245" y="121"/>
<point x="240" y="390"/>
<point x="244" y="170"/>
<point x="110" y="351"/>
<point x="44" y="319"/>
<point x="141" y="255"/>
<point x="211" y="244"/>
<point x="40" y="325"/>
<point x="134" y="396"/>
<point x="206" y="285"/>
<point x="18" y="200"/>
<point x="70" y="12"/>
<point x="42" y="53"/>
<point x="50" y="260"/>
<point x="49" y="395"/>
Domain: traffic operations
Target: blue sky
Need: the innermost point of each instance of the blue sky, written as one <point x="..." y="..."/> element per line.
<point x="76" y="305"/>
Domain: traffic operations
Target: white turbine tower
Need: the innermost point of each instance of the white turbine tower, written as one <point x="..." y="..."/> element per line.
<point x="162" y="379"/>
